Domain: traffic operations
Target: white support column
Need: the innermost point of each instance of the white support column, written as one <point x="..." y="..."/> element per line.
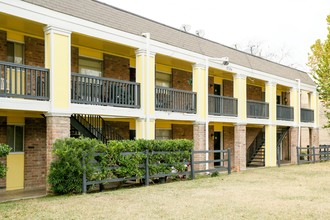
<point x="145" y="75"/>
<point x="58" y="61"/>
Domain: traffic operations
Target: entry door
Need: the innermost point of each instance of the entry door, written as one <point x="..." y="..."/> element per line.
<point x="15" y="159"/>
<point x="217" y="89"/>
<point x="217" y="146"/>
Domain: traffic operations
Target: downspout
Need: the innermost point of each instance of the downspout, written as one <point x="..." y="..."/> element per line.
<point x="299" y="112"/>
<point x="207" y="110"/>
<point x="147" y="36"/>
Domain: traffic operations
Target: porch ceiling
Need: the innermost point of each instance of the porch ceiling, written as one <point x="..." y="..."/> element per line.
<point x="9" y="22"/>
<point x="102" y="45"/>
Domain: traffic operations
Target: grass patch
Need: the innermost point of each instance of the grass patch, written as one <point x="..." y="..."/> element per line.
<point x="289" y="192"/>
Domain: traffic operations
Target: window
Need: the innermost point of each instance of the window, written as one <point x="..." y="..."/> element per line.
<point x="15" y="52"/>
<point x="163" y="79"/>
<point x="15" y="138"/>
<point x="90" y="67"/>
<point x="163" y="134"/>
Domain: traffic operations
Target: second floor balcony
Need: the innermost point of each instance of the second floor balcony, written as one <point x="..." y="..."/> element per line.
<point x="222" y="105"/>
<point x="257" y="109"/>
<point x="22" y="81"/>
<point x="306" y="115"/>
<point x="284" y="112"/>
<point x="175" y="100"/>
<point x="104" y="91"/>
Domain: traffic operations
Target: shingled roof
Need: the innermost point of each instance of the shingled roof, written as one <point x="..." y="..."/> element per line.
<point x="113" y="17"/>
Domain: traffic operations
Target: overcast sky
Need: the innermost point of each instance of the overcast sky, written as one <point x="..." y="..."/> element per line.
<point x="281" y="26"/>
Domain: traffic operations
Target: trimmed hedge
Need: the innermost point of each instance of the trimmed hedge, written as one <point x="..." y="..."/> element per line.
<point x="4" y="151"/>
<point x="66" y="170"/>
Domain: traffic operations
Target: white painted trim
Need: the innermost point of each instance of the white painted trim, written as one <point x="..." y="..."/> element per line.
<point x="224" y="119"/>
<point x="24" y="104"/>
<point x="58" y="114"/>
<point x="106" y="110"/>
<point x="175" y="116"/>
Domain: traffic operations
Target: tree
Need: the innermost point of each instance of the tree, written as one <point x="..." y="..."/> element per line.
<point x="258" y="48"/>
<point x="319" y="62"/>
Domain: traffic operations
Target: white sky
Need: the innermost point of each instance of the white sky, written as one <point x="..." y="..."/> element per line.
<point x="289" y="25"/>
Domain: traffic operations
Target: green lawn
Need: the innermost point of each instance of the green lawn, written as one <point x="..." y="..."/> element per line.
<point x="289" y="192"/>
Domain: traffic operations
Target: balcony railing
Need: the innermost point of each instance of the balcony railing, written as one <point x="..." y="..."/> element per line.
<point x="222" y="105"/>
<point x="175" y="100"/>
<point x="256" y="109"/>
<point x="104" y="91"/>
<point x="22" y="81"/>
<point x="306" y="115"/>
<point x="284" y="112"/>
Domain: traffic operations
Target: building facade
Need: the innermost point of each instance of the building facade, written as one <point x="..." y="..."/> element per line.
<point x="65" y="69"/>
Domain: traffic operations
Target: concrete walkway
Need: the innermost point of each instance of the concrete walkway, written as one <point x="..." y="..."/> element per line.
<point x="13" y="195"/>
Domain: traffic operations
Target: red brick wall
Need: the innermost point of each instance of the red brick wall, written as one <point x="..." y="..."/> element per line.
<point x="122" y="128"/>
<point x="240" y="147"/>
<point x="228" y="88"/>
<point x="3" y="45"/>
<point x="228" y="141"/>
<point x="3" y="139"/>
<point x="34" y="51"/>
<point x="116" y="67"/>
<point x="254" y="93"/>
<point x="74" y="59"/>
<point x="211" y="85"/>
<point x="293" y="138"/>
<point x="180" y="79"/>
<point x="35" y="153"/>
<point x="57" y="127"/>
<point x="182" y="131"/>
<point x="199" y="144"/>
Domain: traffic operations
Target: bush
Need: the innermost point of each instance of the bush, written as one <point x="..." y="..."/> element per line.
<point x="67" y="170"/>
<point x="4" y="151"/>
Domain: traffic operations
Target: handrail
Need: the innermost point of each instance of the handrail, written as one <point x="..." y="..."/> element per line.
<point x="175" y="100"/>
<point x="222" y="105"/>
<point x="257" y="109"/>
<point x="104" y="91"/>
<point x="23" y="81"/>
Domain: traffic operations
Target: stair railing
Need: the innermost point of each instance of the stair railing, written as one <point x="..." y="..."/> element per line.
<point x="254" y="147"/>
<point x="100" y="128"/>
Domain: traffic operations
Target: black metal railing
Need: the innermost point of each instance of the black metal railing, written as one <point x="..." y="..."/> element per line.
<point x="222" y="105"/>
<point x="313" y="154"/>
<point x="254" y="148"/>
<point x="148" y="175"/>
<point x="104" y="91"/>
<point x="306" y="115"/>
<point x="175" y="100"/>
<point x="98" y="127"/>
<point x="22" y="81"/>
<point x="257" y="109"/>
<point x="284" y="112"/>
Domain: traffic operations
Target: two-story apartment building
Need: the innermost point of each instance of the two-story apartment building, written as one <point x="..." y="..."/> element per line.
<point x="81" y="67"/>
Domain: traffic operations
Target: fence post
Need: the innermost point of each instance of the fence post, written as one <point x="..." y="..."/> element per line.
<point x="327" y="152"/>
<point x="278" y="156"/>
<point x="192" y="169"/>
<point x="298" y="156"/>
<point x="314" y="156"/>
<point x="146" y="180"/>
<point x="229" y="161"/>
<point x="84" y="187"/>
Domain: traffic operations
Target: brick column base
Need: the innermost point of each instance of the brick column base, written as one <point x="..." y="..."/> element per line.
<point x="199" y="144"/>
<point x="293" y="135"/>
<point x="57" y="127"/>
<point x="314" y="140"/>
<point x="239" y="148"/>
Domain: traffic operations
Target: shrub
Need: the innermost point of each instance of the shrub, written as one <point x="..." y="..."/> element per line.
<point x="66" y="170"/>
<point x="4" y="151"/>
